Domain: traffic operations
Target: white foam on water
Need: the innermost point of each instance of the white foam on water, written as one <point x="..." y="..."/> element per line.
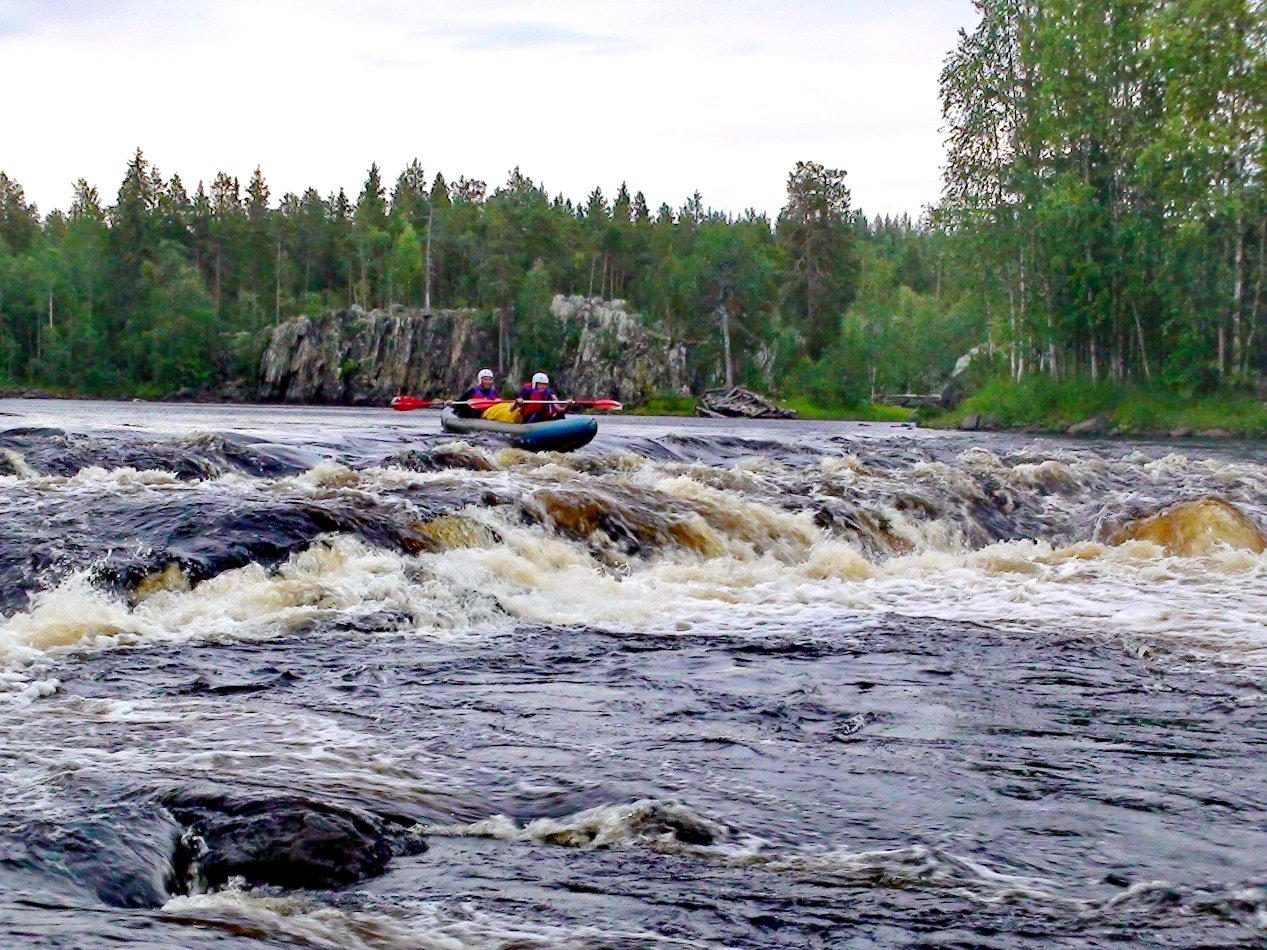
<point x="673" y="828"/>
<point x="16" y="462"/>
<point x="730" y="559"/>
<point x="173" y="741"/>
<point x="1212" y="605"/>
<point x="338" y="577"/>
<point x="650" y="822"/>
<point x="406" y="925"/>
<point x="97" y="477"/>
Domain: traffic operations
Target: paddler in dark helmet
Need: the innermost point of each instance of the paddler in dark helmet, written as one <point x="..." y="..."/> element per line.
<point x="537" y="400"/>
<point x="483" y="389"/>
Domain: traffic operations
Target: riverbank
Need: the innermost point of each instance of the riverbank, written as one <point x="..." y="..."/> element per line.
<point x="1079" y="407"/>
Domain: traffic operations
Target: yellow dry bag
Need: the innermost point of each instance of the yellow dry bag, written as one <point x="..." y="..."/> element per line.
<point x="503" y="412"/>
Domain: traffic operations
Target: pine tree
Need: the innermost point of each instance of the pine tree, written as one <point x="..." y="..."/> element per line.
<point x="815" y="231"/>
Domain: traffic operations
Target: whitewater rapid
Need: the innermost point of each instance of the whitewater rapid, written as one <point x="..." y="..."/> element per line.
<point x="730" y="654"/>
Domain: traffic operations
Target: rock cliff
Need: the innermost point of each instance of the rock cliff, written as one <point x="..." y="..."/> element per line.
<point x="357" y="358"/>
<point x="617" y="353"/>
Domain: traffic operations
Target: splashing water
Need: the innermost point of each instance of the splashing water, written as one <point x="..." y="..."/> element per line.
<point x="701" y="684"/>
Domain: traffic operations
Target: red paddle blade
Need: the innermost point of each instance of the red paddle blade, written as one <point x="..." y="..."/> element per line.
<point x="610" y="404"/>
<point x="405" y="403"/>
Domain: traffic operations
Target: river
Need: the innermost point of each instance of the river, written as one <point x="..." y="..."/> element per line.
<point x="701" y="684"/>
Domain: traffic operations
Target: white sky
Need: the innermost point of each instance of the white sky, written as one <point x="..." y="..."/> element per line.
<point x="723" y="96"/>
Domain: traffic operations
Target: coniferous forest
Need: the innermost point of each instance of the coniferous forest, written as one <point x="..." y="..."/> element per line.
<point x="162" y="290"/>
<point x="1103" y="218"/>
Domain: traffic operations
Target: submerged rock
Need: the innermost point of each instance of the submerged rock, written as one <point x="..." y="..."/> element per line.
<point x="123" y="854"/>
<point x="288" y="842"/>
<point x="1193" y="528"/>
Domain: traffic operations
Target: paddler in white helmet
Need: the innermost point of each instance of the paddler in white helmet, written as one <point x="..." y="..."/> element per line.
<point x="484" y="388"/>
<point x="538" y="401"/>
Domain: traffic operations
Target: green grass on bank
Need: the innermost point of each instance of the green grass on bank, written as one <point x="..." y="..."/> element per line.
<point x="664" y="406"/>
<point x="1055" y="405"/>
<point x="863" y="412"/>
<point x="805" y="409"/>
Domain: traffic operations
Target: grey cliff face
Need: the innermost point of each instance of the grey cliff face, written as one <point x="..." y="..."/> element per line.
<point x="351" y="357"/>
<point x="618" y="354"/>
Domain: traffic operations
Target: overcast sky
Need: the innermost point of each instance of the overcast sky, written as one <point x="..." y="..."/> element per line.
<point x="723" y="96"/>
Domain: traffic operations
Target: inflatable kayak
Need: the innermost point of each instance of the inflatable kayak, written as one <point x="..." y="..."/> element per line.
<point x="557" y="435"/>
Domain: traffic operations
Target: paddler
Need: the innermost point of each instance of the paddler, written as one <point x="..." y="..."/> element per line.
<point x="483" y="389"/>
<point x="538" y="401"/>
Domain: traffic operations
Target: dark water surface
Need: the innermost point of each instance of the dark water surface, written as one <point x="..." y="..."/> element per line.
<point x="702" y="684"/>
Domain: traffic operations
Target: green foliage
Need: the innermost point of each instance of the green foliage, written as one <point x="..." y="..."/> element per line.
<point x="838" y="379"/>
<point x="861" y="412"/>
<point x="666" y="405"/>
<point x="814" y="228"/>
<point x="163" y="291"/>
<point x="1045" y="403"/>
<point x="1104" y="186"/>
<point x="407" y="266"/>
<point x="539" y="336"/>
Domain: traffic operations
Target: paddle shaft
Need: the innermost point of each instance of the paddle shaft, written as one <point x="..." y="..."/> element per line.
<point x="408" y="402"/>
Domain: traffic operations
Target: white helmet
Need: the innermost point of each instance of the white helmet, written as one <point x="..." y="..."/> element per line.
<point x="485" y="372"/>
<point x="541" y="378"/>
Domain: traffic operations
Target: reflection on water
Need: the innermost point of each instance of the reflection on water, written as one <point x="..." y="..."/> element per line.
<point x="701" y="684"/>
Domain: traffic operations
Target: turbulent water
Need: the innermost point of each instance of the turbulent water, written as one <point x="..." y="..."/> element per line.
<point x="701" y="684"/>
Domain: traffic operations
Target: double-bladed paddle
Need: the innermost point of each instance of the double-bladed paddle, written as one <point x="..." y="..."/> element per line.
<point x="405" y="403"/>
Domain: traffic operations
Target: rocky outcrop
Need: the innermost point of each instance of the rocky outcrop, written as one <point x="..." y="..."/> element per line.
<point x="1096" y="425"/>
<point x="617" y="353"/>
<point x="286" y="841"/>
<point x="353" y="357"/>
<point x="976" y="422"/>
<point x="1195" y="528"/>
<point x="356" y="358"/>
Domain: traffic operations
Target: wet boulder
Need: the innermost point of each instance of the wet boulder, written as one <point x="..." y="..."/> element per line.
<point x="951" y="396"/>
<point x="1096" y="425"/>
<point x="1194" y="528"/>
<point x="287" y="841"/>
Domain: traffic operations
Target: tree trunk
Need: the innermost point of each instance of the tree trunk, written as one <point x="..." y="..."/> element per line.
<point x="725" y="337"/>
<point x="1238" y="296"/>
<point x="503" y="330"/>
<point x="426" y="295"/>
<point x="1252" y="329"/>
<point x="277" y="282"/>
<point x="1222" y="348"/>
<point x="1143" y="347"/>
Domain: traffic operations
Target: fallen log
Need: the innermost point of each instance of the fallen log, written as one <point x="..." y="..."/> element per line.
<point x="739" y="402"/>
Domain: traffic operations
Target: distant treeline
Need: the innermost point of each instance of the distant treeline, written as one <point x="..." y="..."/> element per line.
<point x="163" y="291"/>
